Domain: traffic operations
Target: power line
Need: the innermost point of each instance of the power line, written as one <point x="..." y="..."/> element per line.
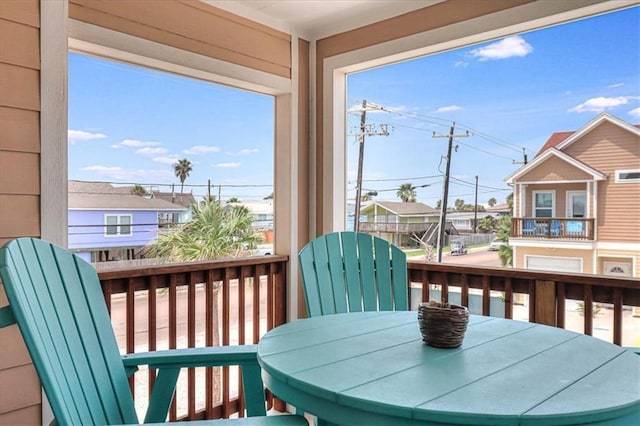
<point x="431" y="120"/>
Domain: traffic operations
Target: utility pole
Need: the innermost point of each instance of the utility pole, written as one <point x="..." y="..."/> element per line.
<point x="364" y="130"/>
<point x="475" y="209"/>
<point x="524" y="158"/>
<point x="363" y="117"/>
<point x="445" y="191"/>
<point x="208" y="190"/>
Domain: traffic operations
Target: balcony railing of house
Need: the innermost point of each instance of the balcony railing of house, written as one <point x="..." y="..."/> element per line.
<point x="219" y="303"/>
<point x="561" y="228"/>
<point x="397" y="228"/>
<point x="192" y="305"/>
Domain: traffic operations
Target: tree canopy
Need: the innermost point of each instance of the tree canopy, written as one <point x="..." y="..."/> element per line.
<point x="213" y="233"/>
<point x="407" y="193"/>
<point x="182" y="169"/>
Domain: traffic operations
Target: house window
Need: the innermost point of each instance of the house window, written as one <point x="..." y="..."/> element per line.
<point x="117" y="225"/>
<point x="543" y="203"/>
<point x="627" y="176"/>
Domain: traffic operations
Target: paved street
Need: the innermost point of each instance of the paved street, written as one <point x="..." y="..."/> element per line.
<point x="476" y="256"/>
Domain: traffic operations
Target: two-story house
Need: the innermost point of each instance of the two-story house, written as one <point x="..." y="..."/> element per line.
<point x="577" y="204"/>
<point x="109" y="223"/>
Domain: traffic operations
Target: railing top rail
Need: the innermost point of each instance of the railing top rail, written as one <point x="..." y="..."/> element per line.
<point x="172" y="268"/>
<point x="589" y="279"/>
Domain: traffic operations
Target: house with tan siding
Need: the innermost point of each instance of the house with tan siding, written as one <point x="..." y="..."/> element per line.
<point x="577" y="204"/>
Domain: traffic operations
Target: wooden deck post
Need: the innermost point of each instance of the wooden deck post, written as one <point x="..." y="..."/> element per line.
<point x="545" y="303"/>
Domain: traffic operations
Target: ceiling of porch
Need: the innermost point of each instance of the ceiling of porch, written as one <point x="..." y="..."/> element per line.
<point x="315" y="19"/>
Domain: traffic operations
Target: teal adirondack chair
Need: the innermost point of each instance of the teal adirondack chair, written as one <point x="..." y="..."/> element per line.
<point x="353" y="272"/>
<point x="56" y="300"/>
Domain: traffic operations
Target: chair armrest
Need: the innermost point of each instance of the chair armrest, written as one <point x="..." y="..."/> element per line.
<point x="6" y="316"/>
<point x="213" y="356"/>
<point x="169" y="362"/>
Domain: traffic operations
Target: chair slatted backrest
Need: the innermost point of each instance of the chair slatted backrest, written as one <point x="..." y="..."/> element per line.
<point x="57" y="302"/>
<point x="353" y="272"/>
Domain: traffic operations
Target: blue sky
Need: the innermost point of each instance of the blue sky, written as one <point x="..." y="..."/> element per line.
<point x="128" y="124"/>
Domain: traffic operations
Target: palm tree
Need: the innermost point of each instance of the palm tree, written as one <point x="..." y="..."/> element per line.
<point x="407" y="193"/>
<point x="505" y="252"/>
<point x="459" y="204"/>
<point x="214" y="232"/>
<point x="138" y="190"/>
<point x="182" y="169"/>
<point x="486" y="224"/>
<point x="492" y="202"/>
<point x="510" y="200"/>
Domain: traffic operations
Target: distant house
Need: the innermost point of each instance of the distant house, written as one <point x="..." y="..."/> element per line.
<point x="397" y="221"/>
<point x="109" y="223"/>
<point x="502" y="209"/>
<point x="262" y="213"/>
<point x="577" y="203"/>
<point x="464" y="221"/>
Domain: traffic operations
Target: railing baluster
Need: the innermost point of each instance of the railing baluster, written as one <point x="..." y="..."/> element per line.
<point x="226" y="340"/>
<point x="242" y="319"/>
<point x="464" y="296"/>
<point x="508" y="298"/>
<point x="191" y="343"/>
<point x="617" y="316"/>
<point x="131" y="327"/>
<point x="588" y="310"/>
<point x="561" y="305"/>
<point x="486" y="296"/>
<point x="152" y="316"/>
<point x="210" y="322"/>
<point x="173" y="329"/>
<point x="256" y="305"/>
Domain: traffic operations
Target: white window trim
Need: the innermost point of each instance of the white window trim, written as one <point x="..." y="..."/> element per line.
<point x="553" y="201"/>
<point x="618" y="172"/>
<point x="118" y="225"/>
<point x="586" y="202"/>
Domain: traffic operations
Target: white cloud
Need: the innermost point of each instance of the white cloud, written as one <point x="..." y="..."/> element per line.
<point x="600" y="104"/>
<point x="150" y="152"/>
<point x="134" y="143"/>
<point x="509" y="47"/>
<point x="461" y="64"/>
<point x="81" y="135"/>
<point x="165" y="160"/>
<point x="612" y="86"/>
<point x="245" y="151"/>
<point x="449" y="108"/>
<point x="635" y="113"/>
<point x="201" y="149"/>
<point x="227" y="165"/>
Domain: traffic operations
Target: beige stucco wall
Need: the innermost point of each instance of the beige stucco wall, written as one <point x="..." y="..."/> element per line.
<point x="19" y="186"/>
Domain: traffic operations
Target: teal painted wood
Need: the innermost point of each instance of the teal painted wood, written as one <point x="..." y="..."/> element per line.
<point x="353" y="272"/>
<point x="56" y="300"/>
<point x="372" y="368"/>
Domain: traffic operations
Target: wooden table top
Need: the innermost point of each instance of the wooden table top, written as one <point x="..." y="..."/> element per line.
<point x="372" y="368"/>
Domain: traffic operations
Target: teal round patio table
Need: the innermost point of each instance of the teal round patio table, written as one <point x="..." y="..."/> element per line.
<point x="372" y="368"/>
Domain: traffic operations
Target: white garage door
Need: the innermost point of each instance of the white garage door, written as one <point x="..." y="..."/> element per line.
<point x="557" y="264"/>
